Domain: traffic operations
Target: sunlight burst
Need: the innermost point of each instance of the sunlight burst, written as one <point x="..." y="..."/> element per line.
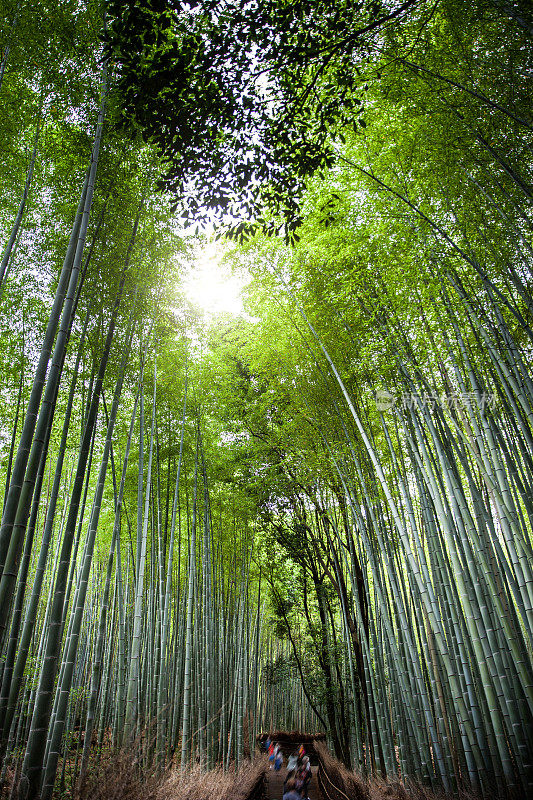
<point x="211" y="285"/>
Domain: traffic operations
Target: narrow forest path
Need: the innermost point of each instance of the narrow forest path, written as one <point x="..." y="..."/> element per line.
<point x="275" y="784"/>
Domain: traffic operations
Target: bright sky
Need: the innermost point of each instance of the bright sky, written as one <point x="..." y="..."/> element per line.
<point x="213" y="286"/>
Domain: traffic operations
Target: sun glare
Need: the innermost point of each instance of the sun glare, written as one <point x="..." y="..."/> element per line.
<point x="211" y="285"/>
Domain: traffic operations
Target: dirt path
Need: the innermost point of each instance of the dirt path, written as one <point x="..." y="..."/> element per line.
<point x="275" y="784"/>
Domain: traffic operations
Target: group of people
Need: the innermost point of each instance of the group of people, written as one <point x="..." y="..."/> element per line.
<point x="275" y="756"/>
<point x="298" y="770"/>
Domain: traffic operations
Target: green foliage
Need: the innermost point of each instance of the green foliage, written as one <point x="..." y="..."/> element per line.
<point x="243" y="100"/>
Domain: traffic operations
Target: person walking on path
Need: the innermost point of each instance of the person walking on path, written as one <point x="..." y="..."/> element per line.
<point x="291" y="792"/>
<point x="274" y="756"/>
<point x="292" y="766"/>
<point x="303" y="776"/>
<point x="292" y="763"/>
<point x="272" y="753"/>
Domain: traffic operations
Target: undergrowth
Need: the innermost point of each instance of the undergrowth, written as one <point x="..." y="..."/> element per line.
<point x="118" y="777"/>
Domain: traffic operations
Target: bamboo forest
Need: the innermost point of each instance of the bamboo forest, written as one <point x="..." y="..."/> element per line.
<point x="266" y="399"/>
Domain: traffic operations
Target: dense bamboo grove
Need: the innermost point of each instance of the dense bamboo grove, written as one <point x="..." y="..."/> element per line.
<point x="315" y="514"/>
<point x="151" y="648"/>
